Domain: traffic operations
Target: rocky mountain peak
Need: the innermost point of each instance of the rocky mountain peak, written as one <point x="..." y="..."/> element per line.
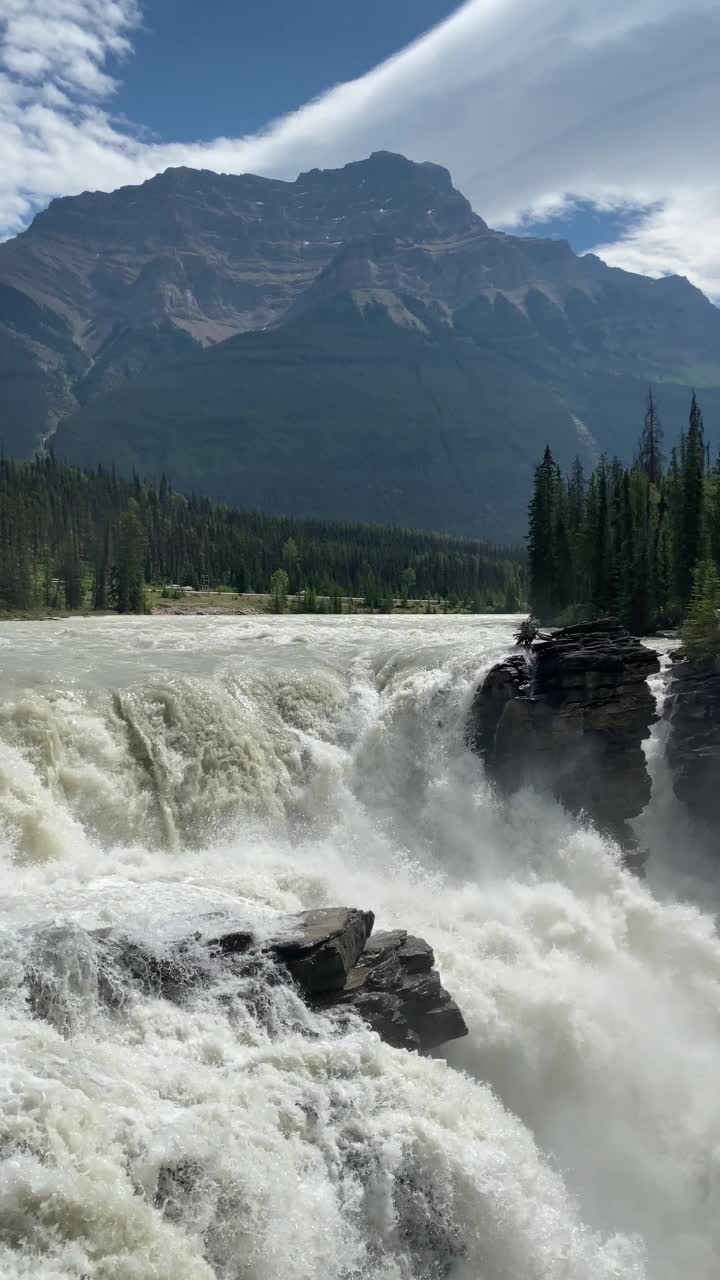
<point x="395" y="192"/>
<point x="466" y="332"/>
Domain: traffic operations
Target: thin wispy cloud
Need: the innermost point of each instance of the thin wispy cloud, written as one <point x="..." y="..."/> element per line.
<point x="531" y="106"/>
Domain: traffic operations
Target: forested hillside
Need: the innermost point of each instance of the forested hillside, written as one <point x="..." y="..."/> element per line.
<point x="640" y="541"/>
<point x="74" y="539"/>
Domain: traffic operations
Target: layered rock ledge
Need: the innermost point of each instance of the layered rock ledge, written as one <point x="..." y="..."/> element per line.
<point x="570" y="714"/>
<point x="693" y="749"/>
<point x="330" y="956"/>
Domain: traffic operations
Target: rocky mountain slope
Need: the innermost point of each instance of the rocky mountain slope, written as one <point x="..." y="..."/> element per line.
<point x="355" y="343"/>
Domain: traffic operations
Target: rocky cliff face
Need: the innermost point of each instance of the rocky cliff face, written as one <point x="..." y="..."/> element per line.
<point x="330" y="955"/>
<point x="217" y="254"/>
<point x="693" y="750"/>
<point x="570" y="714"/>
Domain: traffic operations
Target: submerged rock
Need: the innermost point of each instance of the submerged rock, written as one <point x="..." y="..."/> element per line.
<point x="570" y="713"/>
<point x="693" y="750"/>
<point x="61" y="976"/>
<point x="328" y="954"/>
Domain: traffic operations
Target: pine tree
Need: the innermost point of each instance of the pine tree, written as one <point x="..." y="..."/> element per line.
<point x="601" y="583"/>
<point x="651" y="442"/>
<point x="102" y="572"/>
<point x="408" y="582"/>
<point x="541" y="567"/>
<point x="240" y="578"/>
<point x="576" y="515"/>
<point x="130" y="560"/>
<point x="71" y="574"/>
<point x="692" y="501"/>
<point x="713" y="511"/>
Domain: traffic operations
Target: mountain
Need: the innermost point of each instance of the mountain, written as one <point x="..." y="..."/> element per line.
<point x="357" y="343"/>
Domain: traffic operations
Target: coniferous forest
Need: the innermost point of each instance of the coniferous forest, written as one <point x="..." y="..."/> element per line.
<point x="641" y="542"/>
<point x="88" y="539"/>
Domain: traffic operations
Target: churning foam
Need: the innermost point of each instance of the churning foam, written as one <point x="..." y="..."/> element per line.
<point x="173" y="766"/>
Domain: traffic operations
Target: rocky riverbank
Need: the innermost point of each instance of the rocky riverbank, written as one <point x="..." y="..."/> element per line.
<point x="570" y="713"/>
<point x="331" y="956"/>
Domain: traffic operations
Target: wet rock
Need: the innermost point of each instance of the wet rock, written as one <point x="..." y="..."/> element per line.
<point x="387" y="978"/>
<point x="322" y="946"/>
<point x="570" y="713"/>
<point x="427" y="1223"/>
<point x="395" y="988"/>
<point x="330" y="955"/>
<point x="170" y="972"/>
<point x="176" y="1186"/>
<point x="233" y="942"/>
<point x="693" y="708"/>
<point x="61" y="976"/>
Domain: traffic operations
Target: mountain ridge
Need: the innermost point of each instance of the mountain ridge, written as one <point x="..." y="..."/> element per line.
<point x="118" y="295"/>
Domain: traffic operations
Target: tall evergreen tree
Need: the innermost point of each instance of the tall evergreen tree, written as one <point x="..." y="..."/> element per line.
<point x="651" y="442"/>
<point x="130" y="561"/>
<point x="601" y="566"/>
<point x="691" y="502"/>
<point x="541" y="567"/>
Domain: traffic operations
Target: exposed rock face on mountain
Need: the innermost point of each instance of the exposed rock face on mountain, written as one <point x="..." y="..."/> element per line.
<point x="571" y="715"/>
<point x="365" y="309"/>
<point x="388" y="979"/>
<point x="218" y="254"/>
<point x="693" y="750"/>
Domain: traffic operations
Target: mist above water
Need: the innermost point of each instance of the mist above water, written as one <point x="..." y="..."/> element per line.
<point x="155" y="769"/>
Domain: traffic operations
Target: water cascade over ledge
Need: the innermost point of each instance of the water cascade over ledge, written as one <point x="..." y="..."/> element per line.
<point x="156" y="771"/>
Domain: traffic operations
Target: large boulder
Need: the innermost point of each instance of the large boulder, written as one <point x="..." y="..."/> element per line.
<point x="328" y="955"/>
<point x="693" y="750"/>
<point x="570" y="714"/>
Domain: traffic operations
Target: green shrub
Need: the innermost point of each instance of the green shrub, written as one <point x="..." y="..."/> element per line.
<point x="701" y="630"/>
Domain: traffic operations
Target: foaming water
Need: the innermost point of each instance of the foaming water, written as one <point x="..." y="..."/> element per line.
<point x="152" y="770"/>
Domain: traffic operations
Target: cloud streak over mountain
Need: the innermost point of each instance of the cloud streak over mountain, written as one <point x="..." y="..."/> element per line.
<point x="531" y="107"/>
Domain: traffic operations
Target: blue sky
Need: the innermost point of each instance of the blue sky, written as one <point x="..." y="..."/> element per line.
<point x="267" y="57"/>
<point x="597" y="122"/>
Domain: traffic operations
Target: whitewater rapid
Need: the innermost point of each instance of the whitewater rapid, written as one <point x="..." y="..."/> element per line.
<point x="155" y="769"/>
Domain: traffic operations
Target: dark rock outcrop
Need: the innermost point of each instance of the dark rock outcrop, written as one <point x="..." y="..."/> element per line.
<point x="396" y="989"/>
<point x="388" y="979"/>
<point x="570" y="714"/>
<point x="693" y="750"/>
<point x="323" y="946"/>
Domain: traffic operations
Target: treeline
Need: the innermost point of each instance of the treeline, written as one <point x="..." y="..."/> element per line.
<point x="634" y="541"/>
<point x="79" y="539"/>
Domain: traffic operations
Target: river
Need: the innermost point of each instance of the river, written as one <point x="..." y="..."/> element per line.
<point x="155" y="769"/>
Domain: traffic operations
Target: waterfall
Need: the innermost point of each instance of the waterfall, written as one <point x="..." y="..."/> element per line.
<point x="157" y="770"/>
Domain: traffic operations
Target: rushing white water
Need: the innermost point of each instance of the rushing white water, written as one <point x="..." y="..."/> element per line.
<point x="155" y="769"/>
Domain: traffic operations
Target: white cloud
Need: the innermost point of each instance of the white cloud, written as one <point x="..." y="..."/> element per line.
<point x="530" y="105"/>
<point x="682" y="237"/>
